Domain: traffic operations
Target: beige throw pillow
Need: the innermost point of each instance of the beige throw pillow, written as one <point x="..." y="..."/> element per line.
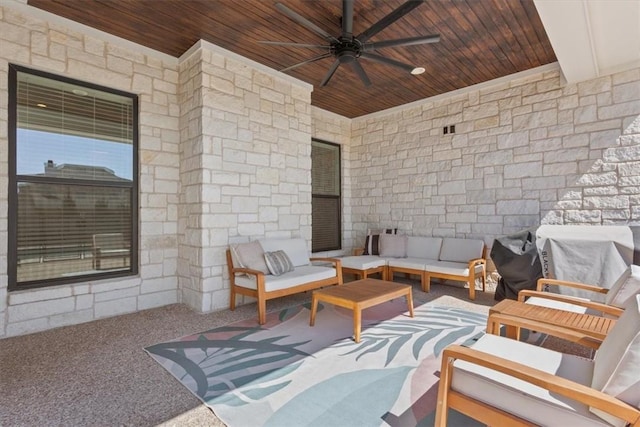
<point x="250" y="255"/>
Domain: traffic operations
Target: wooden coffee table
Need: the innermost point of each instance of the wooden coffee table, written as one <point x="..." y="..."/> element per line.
<point x="358" y="295"/>
<point x="594" y="326"/>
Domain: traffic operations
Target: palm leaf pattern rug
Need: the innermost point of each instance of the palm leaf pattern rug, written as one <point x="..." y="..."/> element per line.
<point x="286" y="373"/>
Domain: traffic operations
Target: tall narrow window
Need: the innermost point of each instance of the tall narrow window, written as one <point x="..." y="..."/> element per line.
<point x="325" y="199"/>
<point x="72" y="180"/>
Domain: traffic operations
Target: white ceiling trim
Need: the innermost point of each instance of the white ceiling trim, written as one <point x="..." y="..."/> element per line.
<point x="592" y="38"/>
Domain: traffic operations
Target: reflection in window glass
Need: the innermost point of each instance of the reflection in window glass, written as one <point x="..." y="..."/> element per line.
<point x="74" y="189"/>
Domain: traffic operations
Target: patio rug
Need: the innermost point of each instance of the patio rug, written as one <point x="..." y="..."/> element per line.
<point x="286" y="373"/>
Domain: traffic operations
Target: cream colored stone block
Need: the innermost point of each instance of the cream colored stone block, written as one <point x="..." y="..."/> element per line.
<point x="37" y="309"/>
<point x="115" y="307"/>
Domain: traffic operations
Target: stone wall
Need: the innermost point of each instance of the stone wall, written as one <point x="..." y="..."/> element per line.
<point x="49" y="45"/>
<point x="526" y="151"/>
<point x="246" y="165"/>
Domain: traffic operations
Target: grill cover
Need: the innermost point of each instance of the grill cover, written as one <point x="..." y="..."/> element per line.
<point x="517" y="261"/>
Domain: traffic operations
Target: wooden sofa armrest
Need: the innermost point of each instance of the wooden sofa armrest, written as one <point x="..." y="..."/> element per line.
<point x="603" y="308"/>
<point x="335" y="261"/>
<point x="358" y="251"/>
<point x="239" y="270"/>
<point x="577" y="285"/>
<point x="562" y="386"/>
<point x="476" y="261"/>
<point x="497" y="319"/>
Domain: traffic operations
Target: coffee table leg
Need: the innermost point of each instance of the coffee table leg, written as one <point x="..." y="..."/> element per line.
<point x="314" y="308"/>
<point x="357" y="323"/>
<point x="410" y="302"/>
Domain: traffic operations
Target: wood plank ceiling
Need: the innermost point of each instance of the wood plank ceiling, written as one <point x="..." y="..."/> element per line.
<point x="480" y="40"/>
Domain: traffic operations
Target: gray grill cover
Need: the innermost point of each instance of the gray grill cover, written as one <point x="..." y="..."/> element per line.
<point x="596" y="255"/>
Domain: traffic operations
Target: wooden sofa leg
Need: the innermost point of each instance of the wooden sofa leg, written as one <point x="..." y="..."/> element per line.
<point x="262" y="310"/>
<point x="472" y="287"/>
<point x="232" y="300"/>
<point x="426" y="282"/>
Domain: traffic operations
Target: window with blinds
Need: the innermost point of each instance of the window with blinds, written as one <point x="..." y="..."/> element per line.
<point x="72" y="180"/>
<point x="326" y="218"/>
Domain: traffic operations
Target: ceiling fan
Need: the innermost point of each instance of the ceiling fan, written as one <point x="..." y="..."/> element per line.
<point x="348" y="49"/>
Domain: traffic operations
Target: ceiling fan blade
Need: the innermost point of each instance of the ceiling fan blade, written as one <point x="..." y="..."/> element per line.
<point x="313" y="46"/>
<point x="347" y="18"/>
<point x="402" y="10"/>
<point x="388" y="61"/>
<point x="305" y="22"/>
<point x="308" y="61"/>
<point x="332" y="70"/>
<point x="434" y="38"/>
<point x="360" y="71"/>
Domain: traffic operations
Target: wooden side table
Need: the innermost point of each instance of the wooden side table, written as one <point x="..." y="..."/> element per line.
<point x="588" y="324"/>
<point x="359" y="295"/>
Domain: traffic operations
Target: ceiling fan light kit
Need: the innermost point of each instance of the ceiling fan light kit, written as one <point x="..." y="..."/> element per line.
<point x="349" y="49"/>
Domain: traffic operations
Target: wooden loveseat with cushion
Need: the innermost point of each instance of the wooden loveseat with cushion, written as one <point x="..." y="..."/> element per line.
<point x="260" y="270"/>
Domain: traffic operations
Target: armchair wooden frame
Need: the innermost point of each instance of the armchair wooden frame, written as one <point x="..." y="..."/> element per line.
<point x="487" y="414"/>
<point x="539" y="292"/>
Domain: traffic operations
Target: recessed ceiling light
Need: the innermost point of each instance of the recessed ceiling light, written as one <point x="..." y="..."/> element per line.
<point x="417" y="70"/>
<point x="41" y="105"/>
<point x="80" y="92"/>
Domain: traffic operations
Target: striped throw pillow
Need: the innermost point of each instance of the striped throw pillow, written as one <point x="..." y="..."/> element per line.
<point x="278" y="262"/>
<point x="372" y="242"/>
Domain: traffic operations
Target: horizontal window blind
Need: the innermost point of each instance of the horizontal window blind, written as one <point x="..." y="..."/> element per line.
<point x="326" y="219"/>
<point x="73" y="209"/>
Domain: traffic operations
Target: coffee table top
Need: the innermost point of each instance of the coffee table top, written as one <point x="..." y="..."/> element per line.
<point x="363" y="290"/>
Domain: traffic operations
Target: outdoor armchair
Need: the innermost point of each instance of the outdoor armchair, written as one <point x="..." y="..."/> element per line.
<point x="501" y="381"/>
<point x="608" y="302"/>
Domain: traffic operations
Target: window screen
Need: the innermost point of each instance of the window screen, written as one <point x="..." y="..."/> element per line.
<point x="72" y="180"/>
<point x="326" y="191"/>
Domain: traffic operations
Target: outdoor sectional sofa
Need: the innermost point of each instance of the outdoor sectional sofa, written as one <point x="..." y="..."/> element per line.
<point x="257" y="270"/>
<point x="445" y="258"/>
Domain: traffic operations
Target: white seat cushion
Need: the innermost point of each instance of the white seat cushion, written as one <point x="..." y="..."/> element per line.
<point x="446" y="267"/>
<point x="303" y="274"/>
<point x="362" y="262"/>
<point x="530" y="402"/>
<point x="413" y="263"/>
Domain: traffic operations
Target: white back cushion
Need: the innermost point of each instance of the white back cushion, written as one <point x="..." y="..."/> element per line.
<point x="392" y="245"/>
<point x="296" y="249"/>
<point x="625" y="287"/>
<point x="616" y="369"/>
<point x="423" y="247"/>
<point x="460" y="250"/>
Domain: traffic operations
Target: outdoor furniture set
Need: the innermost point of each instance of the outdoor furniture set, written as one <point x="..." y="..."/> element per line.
<point x="444" y="258"/>
<point x="495" y="379"/>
